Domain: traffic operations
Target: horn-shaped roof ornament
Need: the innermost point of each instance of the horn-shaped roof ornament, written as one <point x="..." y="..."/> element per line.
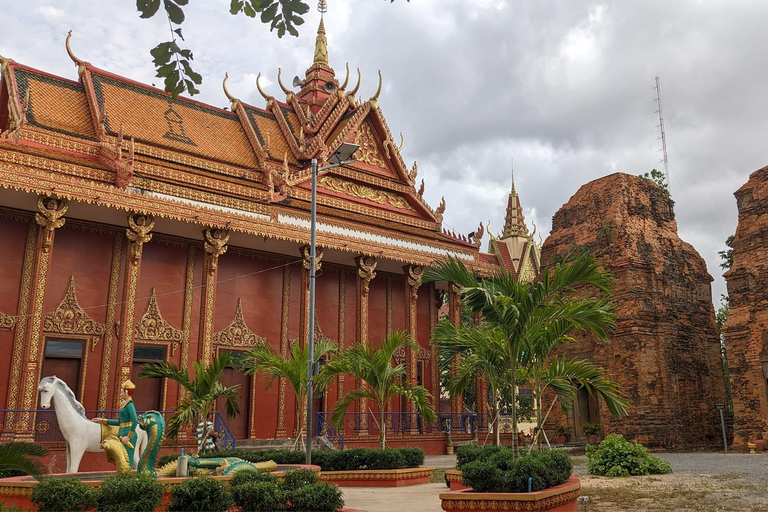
<point x="359" y="79"/>
<point x="374" y="99"/>
<point x="402" y="143"/>
<point x="346" y="78"/>
<point x="78" y="62"/>
<point x="279" y="81"/>
<point x="232" y="100"/>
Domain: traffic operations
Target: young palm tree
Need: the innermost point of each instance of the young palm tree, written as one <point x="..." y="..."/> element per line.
<point x="15" y="459"/>
<point x="525" y="313"/>
<point x="264" y="360"/>
<point x="201" y="396"/>
<point x="374" y="366"/>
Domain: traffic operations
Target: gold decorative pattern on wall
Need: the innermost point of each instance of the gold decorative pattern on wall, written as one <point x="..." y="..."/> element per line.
<point x="369" y="148"/>
<point x="284" y="349"/>
<point x="50" y="218"/>
<point x="422" y="355"/>
<point x="153" y="327"/>
<point x="114" y="280"/>
<point x="357" y="190"/>
<point x="189" y="295"/>
<point x="237" y="334"/>
<point x="7" y="321"/>
<point x="70" y="318"/>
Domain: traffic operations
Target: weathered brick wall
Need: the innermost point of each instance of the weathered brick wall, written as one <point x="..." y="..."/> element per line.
<point x="665" y="351"/>
<point x="746" y="331"/>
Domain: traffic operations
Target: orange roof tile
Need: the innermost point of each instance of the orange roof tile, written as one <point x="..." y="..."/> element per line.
<point x="152" y="116"/>
<point x="55" y="103"/>
<point x="264" y="123"/>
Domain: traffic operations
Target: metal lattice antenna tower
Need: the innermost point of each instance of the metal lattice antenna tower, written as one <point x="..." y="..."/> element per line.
<point x="663" y="136"/>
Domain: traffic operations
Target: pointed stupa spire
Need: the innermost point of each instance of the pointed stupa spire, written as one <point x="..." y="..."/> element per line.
<point x="514" y="222"/>
<point x="321" y="43"/>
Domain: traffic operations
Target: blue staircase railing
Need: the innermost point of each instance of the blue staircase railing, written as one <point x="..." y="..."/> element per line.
<point x="324" y="427"/>
<point x="396" y="423"/>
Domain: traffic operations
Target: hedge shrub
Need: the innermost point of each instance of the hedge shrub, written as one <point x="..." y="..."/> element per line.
<point x="317" y="497"/>
<point x="129" y="492"/>
<point x="63" y="494"/>
<point x="243" y="477"/>
<point x="616" y="456"/>
<point x="254" y="495"/>
<point x="200" y="494"/>
<point x="491" y="469"/>
<point x="297" y="478"/>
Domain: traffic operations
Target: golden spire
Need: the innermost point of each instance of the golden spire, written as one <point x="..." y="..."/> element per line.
<point x="321" y="43"/>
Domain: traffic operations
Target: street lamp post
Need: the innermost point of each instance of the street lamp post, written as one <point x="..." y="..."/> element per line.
<point x="342" y="156"/>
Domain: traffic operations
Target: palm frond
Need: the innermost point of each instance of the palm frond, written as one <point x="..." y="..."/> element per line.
<point x="15" y="456"/>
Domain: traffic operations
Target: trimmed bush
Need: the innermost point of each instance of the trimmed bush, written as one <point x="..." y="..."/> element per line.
<point x="414" y="457"/>
<point x="198" y="494"/>
<point x="616" y="456"/>
<point x="63" y="494"/>
<point x="248" y="476"/>
<point x="129" y="492"/>
<point x="256" y="495"/>
<point x="319" y="497"/>
<point x="297" y="478"/>
<point x="496" y="471"/>
<point x="385" y="459"/>
<point x="473" y="452"/>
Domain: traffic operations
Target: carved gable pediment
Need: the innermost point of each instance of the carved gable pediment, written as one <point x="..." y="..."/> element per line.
<point x="237" y="334"/>
<point x="153" y="327"/>
<point x="70" y="318"/>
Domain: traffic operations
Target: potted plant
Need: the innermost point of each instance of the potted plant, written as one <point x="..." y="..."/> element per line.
<point x="760" y="442"/>
<point x="561" y="434"/>
<point x="592" y="430"/>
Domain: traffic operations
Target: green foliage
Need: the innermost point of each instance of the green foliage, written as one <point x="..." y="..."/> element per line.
<point x="244" y="477"/>
<point x="320" y="497"/>
<point x="129" y="492"/>
<point x="561" y="430"/>
<point x="203" y="493"/>
<point x="256" y="495"/>
<point x="414" y="457"/>
<point x="63" y="494"/>
<point x="722" y="313"/>
<point x="660" y="179"/>
<point x="496" y="470"/>
<point x="15" y="459"/>
<point x="592" y="429"/>
<point x="727" y="255"/>
<point x="202" y="393"/>
<point x="618" y="457"/>
<point x="165" y="459"/>
<point x="298" y="478"/>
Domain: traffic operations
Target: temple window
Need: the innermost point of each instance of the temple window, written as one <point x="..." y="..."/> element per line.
<point x="64" y="359"/>
<point x="149" y="392"/>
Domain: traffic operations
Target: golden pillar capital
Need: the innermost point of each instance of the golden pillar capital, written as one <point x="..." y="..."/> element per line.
<point x="366" y="270"/>
<point x="138" y="233"/>
<point x="215" y="245"/>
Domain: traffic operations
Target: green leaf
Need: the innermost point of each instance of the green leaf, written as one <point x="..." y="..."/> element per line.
<point x="191" y="87"/>
<point x="196" y="78"/>
<point x="300" y="7"/>
<point x="181" y="2"/>
<point x="269" y="13"/>
<point x="178" y="32"/>
<point x="162" y="53"/>
<point x="172" y="81"/>
<point x="235" y="6"/>
<point x="148" y="8"/>
<point x="249" y="11"/>
<point x="175" y="13"/>
<point x="165" y="70"/>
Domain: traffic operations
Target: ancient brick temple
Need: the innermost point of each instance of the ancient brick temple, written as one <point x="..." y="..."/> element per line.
<point x="746" y="331"/>
<point x="665" y="351"/>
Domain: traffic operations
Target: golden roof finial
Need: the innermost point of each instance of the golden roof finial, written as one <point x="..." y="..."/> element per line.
<point x="374" y="99"/>
<point x="321" y="43"/>
<point x="232" y="100"/>
<point x="4" y="63"/>
<point x="78" y="62"/>
<point x="280" y="81"/>
<point x="346" y="78"/>
<point x="402" y="143"/>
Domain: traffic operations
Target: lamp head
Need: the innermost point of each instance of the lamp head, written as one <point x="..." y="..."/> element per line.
<point x="343" y="153"/>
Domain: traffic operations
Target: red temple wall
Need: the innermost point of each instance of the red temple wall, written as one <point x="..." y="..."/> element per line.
<point x="13" y="232"/>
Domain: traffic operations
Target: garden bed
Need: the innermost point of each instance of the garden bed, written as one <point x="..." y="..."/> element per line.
<point x="560" y="498"/>
<point x="378" y="477"/>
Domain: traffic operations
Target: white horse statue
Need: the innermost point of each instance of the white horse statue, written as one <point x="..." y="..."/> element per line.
<point x="81" y="434"/>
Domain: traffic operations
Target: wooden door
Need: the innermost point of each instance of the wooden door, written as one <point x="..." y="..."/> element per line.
<point x="239" y="424"/>
<point x="149" y="392"/>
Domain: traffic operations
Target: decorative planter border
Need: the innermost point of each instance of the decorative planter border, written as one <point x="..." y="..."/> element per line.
<point x="453" y="479"/>
<point x="378" y="477"/>
<point x="561" y="498"/>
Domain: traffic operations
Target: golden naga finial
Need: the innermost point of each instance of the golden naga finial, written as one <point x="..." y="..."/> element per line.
<point x="357" y="86"/>
<point x="78" y="62"/>
<point x="402" y="143"/>
<point x="4" y="63"/>
<point x="232" y="100"/>
<point x="346" y="78"/>
<point x="266" y="97"/>
<point x="287" y="92"/>
<point x="374" y="99"/>
<point x="321" y="45"/>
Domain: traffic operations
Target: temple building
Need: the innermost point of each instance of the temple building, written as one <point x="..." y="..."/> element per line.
<point x="138" y="227"/>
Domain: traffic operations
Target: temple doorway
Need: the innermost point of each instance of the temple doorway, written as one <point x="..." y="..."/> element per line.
<point x="587" y="410"/>
<point x="239" y="425"/>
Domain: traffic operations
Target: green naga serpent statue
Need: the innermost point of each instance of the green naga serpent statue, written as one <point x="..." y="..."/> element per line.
<point x="154" y="425"/>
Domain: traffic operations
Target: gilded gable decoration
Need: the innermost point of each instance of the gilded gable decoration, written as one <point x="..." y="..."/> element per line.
<point x="215" y="244"/>
<point x="237" y="334"/>
<point x="70" y="318"/>
<point x="7" y="321"/>
<point x="138" y="232"/>
<point x="363" y="192"/>
<point x="413" y="172"/>
<point x="440" y="211"/>
<point x="153" y="327"/>
<point x="111" y="155"/>
<point x="477" y="236"/>
<point x="50" y="217"/>
<point x="366" y="270"/>
<point x="369" y="149"/>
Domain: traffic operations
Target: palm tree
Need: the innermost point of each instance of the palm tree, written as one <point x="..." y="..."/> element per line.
<point x="373" y="366"/>
<point x="201" y="395"/>
<point x="264" y="360"/>
<point x="524" y="314"/>
<point x="15" y="459"/>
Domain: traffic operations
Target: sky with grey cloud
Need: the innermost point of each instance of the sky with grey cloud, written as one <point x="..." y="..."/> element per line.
<point x="563" y="87"/>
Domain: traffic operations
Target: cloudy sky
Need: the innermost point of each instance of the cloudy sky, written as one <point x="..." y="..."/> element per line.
<point x="566" y="88"/>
